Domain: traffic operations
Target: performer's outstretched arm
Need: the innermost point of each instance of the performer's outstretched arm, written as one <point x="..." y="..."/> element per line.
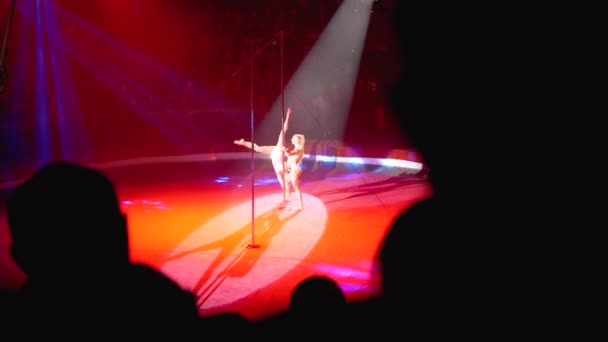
<point x="255" y="147"/>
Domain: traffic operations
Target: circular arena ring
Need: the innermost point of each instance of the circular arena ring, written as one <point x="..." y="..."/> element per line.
<point x="217" y="224"/>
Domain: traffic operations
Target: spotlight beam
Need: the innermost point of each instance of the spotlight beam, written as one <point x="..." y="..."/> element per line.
<point x="321" y="89"/>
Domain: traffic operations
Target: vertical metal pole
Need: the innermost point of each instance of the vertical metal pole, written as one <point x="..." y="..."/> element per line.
<point x="252" y="244"/>
<point x="285" y="185"/>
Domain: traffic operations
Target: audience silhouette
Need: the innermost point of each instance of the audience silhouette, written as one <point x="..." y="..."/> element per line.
<point x="316" y="295"/>
<point x="317" y="305"/>
<point x="504" y="102"/>
<point x="70" y="238"/>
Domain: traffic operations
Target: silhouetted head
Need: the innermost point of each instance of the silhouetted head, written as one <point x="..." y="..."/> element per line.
<point x="504" y="101"/>
<point x="66" y="217"/>
<point x="316" y="294"/>
<point x="503" y="97"/>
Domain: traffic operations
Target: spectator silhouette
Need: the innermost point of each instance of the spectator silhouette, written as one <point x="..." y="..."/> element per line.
<point x="317" y="296"/>
<point x="317" y="305"/>
<point x="70" y="238"/>
<point x="504" y="102"/>
<point x="226" y="325"/>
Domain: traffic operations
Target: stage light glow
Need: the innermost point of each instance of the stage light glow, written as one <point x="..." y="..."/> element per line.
<point x="321" y="89"/>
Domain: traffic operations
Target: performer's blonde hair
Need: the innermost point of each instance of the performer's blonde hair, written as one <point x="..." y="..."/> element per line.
<point x="300" y="138"/>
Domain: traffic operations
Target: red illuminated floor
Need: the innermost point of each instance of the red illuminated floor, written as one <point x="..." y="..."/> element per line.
<point x="192" y="219"/>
